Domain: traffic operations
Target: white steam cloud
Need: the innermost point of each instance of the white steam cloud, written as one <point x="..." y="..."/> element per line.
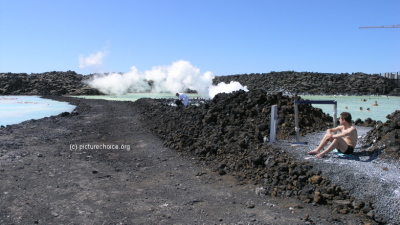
<point x="93" y="60"/>
<point x="226" y="88"/>
<point x="177" y="77"/>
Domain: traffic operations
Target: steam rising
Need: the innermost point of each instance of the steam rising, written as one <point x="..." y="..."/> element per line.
<point x="178" y="77"/>
<point x="93" y="60"/>
<point x="226" y="88"/>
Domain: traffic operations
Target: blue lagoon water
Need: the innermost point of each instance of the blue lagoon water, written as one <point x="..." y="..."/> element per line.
<point x="16" y="109"/>
<point x="352" y="104"/>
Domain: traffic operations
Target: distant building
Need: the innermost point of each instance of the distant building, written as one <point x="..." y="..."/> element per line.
<point x="390" y="75"/>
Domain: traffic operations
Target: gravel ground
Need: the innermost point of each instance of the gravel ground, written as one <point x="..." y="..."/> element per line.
<point x="364" y="175"/>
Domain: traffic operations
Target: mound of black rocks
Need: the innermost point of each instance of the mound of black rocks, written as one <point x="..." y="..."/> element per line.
<point x="368" y="122"/>
<point x="71" y="83"/>
<point x="49" y="83"/>
<point x="316" y="83"/>
<point x="385" y="137"/>
<point x="227" y="134"/>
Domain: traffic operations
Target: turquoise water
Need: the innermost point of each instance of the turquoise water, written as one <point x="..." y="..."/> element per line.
<point x="386" y="105"/>
<point x="16" y="109"/>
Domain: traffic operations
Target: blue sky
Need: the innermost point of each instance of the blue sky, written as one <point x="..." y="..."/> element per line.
<point x="222" y="36"/>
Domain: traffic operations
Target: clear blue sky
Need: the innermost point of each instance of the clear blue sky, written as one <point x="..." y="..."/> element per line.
<point x="222" y="36"/>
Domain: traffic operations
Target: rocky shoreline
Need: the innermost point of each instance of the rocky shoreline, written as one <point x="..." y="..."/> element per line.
<point x="49" y="83"/>
<point x="225" y="137"/>
<point x="386" y="137"/>
<point x="366" y="174"/>
<point x="48" y="176"/>
<point x="315" y="83"/>
<point x="71" y="83"/>
<point x="227" y="134"/>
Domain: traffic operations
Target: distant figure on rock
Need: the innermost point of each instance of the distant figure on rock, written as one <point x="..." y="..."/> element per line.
<point x="375" y="103"/>
<point x="344" y="142"/>
<point x="183" y="99"/>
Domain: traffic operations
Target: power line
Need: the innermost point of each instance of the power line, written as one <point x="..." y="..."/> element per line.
<point x="392" y="26"/>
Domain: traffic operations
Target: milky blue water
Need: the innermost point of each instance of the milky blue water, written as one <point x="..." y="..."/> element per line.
<point x="352" y="104"/>
<point x="16" y="109"/>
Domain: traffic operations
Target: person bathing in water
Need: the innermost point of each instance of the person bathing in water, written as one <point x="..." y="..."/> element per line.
<point x="345" y="141"/>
